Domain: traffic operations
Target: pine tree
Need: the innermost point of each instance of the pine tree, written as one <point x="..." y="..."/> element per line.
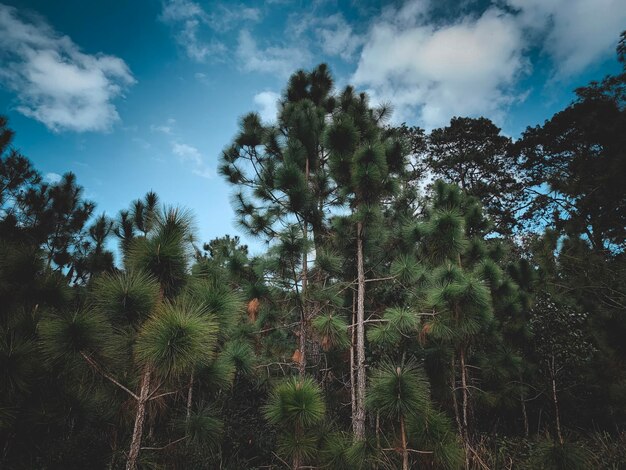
<point x="283" y="189"/>
<point x="171" y="333"/>
<point x="363" y="160"/>
<point x="297" y="406"/>
<point x="463" y="291"/>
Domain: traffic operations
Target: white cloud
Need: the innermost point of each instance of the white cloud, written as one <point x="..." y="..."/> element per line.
<point x="471" y="65"/>
<point x="267" y="103"/>
<point x="52" y="178"/>
<point x="177" y="10"/>
<point x="167" y="128"/>
<point x="54" y="81"/>
<point x="223" y="18"/>
<point x="337" y="37"/>
<point x="161" y="128"/>
<point x="332" y="35"/>
<point x="465" y="68"/>
<point x="190" y="20"/>
<point x="187" y="17"/>
<point x="197" y="49"/>
<point x="281" y="61"/>
<point x="576" y="33"/>
<point x="190" y="154"/>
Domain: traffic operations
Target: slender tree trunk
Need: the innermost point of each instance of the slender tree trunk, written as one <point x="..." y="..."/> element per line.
<point x="523" y="402"/>
<point x="464" y="404"/>
<point x="352" y="368"/>
<point x="455" y="403"/>
<point x="556" y="402"/>
<point x="305" y="274"/>
<point x="464" y="388"/>
<point x="190" y="395"/>
<point x="135" y="445"/>
<point x="358" y="421"/>
<point x="405" y="452"/>
<point x="303" y="318"/>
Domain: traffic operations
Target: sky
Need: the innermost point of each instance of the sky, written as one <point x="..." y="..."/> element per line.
<point x="142" y="95"/>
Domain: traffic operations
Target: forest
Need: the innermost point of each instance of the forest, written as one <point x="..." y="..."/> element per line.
<point x="439" y="300"/>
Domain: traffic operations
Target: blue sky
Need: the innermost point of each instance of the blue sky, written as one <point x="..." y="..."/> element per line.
<point x="140" y="95"/>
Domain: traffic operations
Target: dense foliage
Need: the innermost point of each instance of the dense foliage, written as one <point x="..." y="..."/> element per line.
<point x="445" y="299"/>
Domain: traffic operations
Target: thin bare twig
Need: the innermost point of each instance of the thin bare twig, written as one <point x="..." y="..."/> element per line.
<point x="165" y="446"/>
<point x="101" y="371"/>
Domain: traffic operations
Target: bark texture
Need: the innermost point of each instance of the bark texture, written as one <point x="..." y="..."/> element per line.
<point x="140" y="416"/>
<point x="358" y="420"/>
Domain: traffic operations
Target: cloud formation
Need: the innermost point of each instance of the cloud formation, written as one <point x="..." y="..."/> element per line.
<point x="195" y="27"/>
<point x="278" y="60"/>
<point x="337" y="37"/>
<point x="472" y="65"/>
<point x="54" y="81"/>
<point x="576" y="33"/>
<point x="166" y="128"/>
<point x="464" y="68"/>
<point x="52" y="178"/>
<point x="190" y="154"/>
<point x="267" y="104"/>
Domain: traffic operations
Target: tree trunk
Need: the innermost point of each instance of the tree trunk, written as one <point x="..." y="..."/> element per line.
<point x="358" y="421"/>
<point x="305" y="274"/>
<point x="523" y="402"/>
<point x="465" y="400"/>
<point x="135" y="445"/>
<point x="189" y="395"/>
<point x="464" y="388"/>
<point x="352" y="347"/>
<point x="556" y="402"/>
<point x="405" y="452"/>
<point x="455" y="403"/>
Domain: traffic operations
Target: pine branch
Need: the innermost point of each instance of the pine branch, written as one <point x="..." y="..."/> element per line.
<point x="165" y="446"/>
<point x="101" y="371"/>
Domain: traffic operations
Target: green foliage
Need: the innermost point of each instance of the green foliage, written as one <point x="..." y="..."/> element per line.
<point x="295" y="403"/>
<point x="398" y="390"/>
<point x="301" y="446"/>
<point x="433" y="432"/>
<point x="218" y="375"/>
<point x="446" y="235"/>
<point x="402" y="318"/>
<point x="472" y="154"/>
<point x="406" y="269"/>
<point x="296" y="406"/>
<point x="514" y="260"/>
<point x="365" y="454"/>
<point x="332" y="329"/>
<point x="176" y="339"/>
<point x="240" y="354"/>
<point x="65" y="336"/>
<point x="335" y="450"/>
<point x="329" y="262"/>
<point x="17" y="370"/>
<point x="165" y="253"/>
<point x="127" y="297"/>
<point x="217" y="298"/>
<point x="553" y="455"/>
<point x="203" y="428"/>
<point x="384" y="335"/>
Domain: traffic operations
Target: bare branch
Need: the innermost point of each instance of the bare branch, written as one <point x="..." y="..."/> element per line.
<point x="101" y="371"/>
